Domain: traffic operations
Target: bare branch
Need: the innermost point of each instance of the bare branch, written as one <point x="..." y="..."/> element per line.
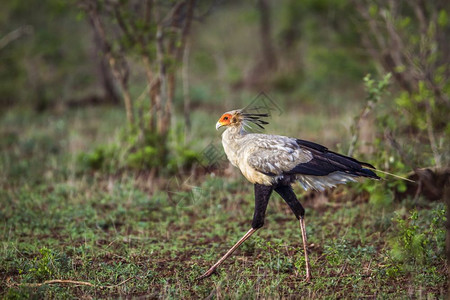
<point x="186" y="28"/>
<point x="14" y="35"/>
<point x="121" y="22"/>
<point x="431" y="137"/>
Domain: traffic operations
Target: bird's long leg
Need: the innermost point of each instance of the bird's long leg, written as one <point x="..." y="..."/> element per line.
<point x="288" y="195"/>
<point x="229" y="252"/>
<point x="305" y="247"/>
<point x="262" y="195"/>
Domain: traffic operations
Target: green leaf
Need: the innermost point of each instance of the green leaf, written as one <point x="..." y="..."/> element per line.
<point x="443" y="18"/>
<point x="401" y="187"/>
<point x="373" y="10"/>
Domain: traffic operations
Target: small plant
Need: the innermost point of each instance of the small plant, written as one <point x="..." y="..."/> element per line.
<point x="410" y="243"/>
<point x="44" y="266"/>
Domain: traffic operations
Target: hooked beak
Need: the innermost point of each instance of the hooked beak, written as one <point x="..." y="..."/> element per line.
<point x="218" y="125"/>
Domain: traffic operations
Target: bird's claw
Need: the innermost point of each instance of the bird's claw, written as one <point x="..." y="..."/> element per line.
<point x="206" y="274"/>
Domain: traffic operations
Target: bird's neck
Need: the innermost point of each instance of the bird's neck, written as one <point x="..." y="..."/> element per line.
<point x="235" y="132"/>
<point x="232" y="139"/>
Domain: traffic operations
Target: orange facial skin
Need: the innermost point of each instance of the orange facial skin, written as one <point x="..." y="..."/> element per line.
<point x="225" y="120"/>
<point x="230" y="119"/>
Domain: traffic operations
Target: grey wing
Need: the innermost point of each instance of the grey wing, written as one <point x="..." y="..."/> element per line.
<point x="277" y="156"/>
<point x="313" y="165"/>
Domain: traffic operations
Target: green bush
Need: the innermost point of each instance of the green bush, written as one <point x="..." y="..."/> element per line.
<point x="103" y="157"/>
<point x="420" y="236"/>
<point x="141" y="152"/>
<point x="146" y="157"/>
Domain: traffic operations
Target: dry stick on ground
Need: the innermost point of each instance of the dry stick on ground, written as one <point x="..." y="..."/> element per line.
<point x="64" y="281"/>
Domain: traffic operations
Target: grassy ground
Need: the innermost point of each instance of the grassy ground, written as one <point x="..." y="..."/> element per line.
<point x="112" y="232"/>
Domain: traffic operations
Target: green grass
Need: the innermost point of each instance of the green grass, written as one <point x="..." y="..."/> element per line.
<point x="59" y="221"/>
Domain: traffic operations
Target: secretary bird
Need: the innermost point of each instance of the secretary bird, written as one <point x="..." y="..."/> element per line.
<point x="274" y="162"/>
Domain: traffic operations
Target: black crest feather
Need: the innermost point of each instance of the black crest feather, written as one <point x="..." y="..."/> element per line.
<point x="254" y="116"/>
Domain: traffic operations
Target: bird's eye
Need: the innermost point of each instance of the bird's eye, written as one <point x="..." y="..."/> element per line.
<point x="225" y="118"/>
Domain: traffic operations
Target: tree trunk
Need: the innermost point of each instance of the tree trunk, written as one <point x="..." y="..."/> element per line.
<point x="186" y="96"/>
<point x="268" y="51"/>
<point x="110" y="93"/>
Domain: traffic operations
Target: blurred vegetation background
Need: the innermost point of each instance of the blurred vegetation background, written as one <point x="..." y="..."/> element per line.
<point x="124" y="95"/>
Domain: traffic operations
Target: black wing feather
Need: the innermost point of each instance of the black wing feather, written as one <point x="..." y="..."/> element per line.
<point x="325" y="162"/>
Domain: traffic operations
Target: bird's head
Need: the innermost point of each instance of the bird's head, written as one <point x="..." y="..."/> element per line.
<point x="230" y="118"/>
<point x="241" y="118"/>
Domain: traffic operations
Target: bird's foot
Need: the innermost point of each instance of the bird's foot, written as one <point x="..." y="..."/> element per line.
<point x="207" y="274"/>
<point x="308" y="278"/>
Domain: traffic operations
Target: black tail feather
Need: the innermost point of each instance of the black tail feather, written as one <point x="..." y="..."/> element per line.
<point x="369" y="173"/>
